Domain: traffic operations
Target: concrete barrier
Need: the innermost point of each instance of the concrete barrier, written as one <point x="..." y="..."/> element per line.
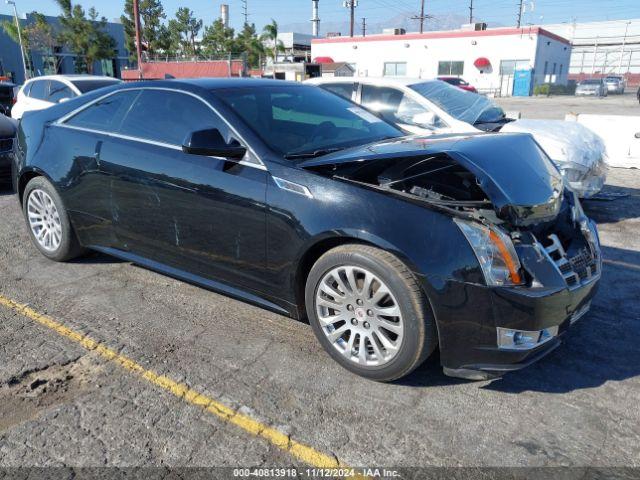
<point x="621" y="135"/>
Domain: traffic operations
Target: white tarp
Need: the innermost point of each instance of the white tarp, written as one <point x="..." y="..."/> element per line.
<point x="578" y="152"/>
<point x="619" y="135"/>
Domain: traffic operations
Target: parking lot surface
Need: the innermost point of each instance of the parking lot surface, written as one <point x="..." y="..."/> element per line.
<point x="64" y="404"/>
<point x="557" y="106"/>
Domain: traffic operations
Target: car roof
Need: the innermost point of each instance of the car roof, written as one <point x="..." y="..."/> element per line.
<point x="397" y="81"/>
<point x="73" y="77"/>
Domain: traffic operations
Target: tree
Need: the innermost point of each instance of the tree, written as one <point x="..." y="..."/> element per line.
<point x="85" y="37"/>
<point x="270" y="37"/>
<point x="151" y="15"/>
<point x="186" y="27"/>
<point x="38" y="36"/>
<point x="168" y="42"/>
<point x="218" y="39"/>
<point x="249" y="43"/>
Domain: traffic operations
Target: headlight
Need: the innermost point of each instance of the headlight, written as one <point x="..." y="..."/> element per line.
<point x="573" y="172"/>
<point x="495" y="252"/>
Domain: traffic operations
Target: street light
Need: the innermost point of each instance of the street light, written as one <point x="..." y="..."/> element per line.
<point x="24" y="61"/>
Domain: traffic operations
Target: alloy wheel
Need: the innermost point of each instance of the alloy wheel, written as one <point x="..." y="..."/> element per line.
<point x="44" y="220"/>
<point x="359" y="315"/>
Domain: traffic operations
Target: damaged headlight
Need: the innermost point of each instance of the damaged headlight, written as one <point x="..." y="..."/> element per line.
<point x="495" y="252"/>
<point x="573" y="172"/>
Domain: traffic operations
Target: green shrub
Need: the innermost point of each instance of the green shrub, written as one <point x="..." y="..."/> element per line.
<point x="554" y="89"/>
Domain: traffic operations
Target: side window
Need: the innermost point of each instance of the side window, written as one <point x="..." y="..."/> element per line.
<point x="106" y="114"/>
<point x="168" y="117"/>
<point x="26" y="90"/>
<point x="59" y="91"/>
<point x="39" y="89"/>
<point x="396" y="107"/>
<point x="345" y="90"/>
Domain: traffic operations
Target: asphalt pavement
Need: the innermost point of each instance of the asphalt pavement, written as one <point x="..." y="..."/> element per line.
<point x="109" y="363"/>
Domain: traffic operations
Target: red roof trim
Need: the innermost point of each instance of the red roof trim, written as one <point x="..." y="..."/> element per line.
<point x="494" y="32"/>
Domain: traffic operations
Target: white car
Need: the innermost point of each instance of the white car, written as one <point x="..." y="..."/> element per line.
<point x="425" y="107"/>
<point x="40" y="93"/>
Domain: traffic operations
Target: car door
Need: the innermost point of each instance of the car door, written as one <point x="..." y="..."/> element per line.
<point x="397" y="107"/>
<point x="202" y="215"/>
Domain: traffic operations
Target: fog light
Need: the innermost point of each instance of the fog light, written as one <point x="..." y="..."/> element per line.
<point x="509" y="339"/>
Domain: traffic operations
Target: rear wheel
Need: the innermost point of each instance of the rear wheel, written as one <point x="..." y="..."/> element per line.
<point x="368" y="311"/>
<point x="48" y="222"/>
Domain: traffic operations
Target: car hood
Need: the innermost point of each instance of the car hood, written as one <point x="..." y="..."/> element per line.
<point x="515" y="174"/>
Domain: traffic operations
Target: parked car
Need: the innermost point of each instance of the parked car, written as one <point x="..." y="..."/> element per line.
<point x="592" y="87"/>
<point x="7" y="97"/>
<point x="302" y="202"/>
<point x="7" y="135"/>
<point x="426" y="107"/>
<point x="43" y="92"/>
<point x="615" y="84"/>
<point x="460" y="83"/>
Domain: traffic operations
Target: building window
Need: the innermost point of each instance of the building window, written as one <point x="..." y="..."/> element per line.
<point x="450" y="68"/>
<point x="508" y="67"/>
<point x="560" y="71"/>
<point x="395" y="69"/>
<point x="554" y="69"/>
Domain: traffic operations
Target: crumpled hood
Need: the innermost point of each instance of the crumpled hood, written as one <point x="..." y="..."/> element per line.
<point x="511" y="169"/>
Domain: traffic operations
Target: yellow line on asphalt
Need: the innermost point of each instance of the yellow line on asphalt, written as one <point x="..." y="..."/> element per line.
<point x="302" y="452"/>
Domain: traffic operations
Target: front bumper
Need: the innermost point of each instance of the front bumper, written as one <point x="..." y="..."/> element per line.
<point x="467" y="329"/>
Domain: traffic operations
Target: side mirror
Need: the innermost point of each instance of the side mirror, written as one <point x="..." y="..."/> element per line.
<point x="210" y="143"/>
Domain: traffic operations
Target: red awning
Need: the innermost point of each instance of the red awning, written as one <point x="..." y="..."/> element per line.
<point x="323" y="60"/>
<point x="482" y="62"/>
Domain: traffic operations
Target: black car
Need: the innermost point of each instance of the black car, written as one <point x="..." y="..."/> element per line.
<point x="7" y="136"/>
<point x="7" y="97"/>
<point x="295" y="199"/>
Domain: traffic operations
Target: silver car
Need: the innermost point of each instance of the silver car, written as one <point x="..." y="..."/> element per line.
<point x="593" y="87"/>
<point x="615" y="84"/>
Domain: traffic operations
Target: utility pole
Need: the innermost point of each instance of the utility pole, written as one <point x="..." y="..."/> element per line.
<point x="520" y="12"/>
<point x="470" y="11"/>
<point x="315" y="18"/>
<point x="245" y="11"/>
<point x="22" y="50"/>
<point x="136" y="21"/>
<point x="351" y="5"/>
<point x="422" y="17"/>
<point x="364" y="27"/>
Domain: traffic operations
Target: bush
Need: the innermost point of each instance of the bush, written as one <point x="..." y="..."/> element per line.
<point x="554" y="89"/>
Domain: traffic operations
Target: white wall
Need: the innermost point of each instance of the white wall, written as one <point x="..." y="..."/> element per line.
<point x="422" y="55"/>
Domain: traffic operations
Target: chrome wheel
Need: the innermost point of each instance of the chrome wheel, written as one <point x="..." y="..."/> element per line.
<point x="44" y="220"/>
<point x="359" y="315"/>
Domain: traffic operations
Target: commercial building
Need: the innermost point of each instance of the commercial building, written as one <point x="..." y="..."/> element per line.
<point x="61" y="60"/>
<point x="497" y="61"/>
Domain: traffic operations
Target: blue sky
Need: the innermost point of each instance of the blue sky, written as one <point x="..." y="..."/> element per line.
<point x="294" y="11"/>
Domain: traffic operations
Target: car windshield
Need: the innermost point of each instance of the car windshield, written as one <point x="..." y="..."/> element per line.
<point x="460" y="104"/>
<point x="591" y="82"/>
<point x="300" y="121"/>
<point x="89" y="85"/>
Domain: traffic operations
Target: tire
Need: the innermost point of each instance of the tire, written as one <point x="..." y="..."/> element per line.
<point x="417" y="337"/>
<point x="39" y="191"/>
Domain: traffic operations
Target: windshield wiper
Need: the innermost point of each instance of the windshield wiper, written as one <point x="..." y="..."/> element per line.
<point x="314" y="154"/>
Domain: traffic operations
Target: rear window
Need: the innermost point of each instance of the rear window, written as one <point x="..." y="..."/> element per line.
<point x="89" y="85"/>
<point x="591" y="82"/>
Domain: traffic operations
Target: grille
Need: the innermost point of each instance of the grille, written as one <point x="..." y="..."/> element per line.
<point x="6" y="145"/>
<point x="576" y="269"/>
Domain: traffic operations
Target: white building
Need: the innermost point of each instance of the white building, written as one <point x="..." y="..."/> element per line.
<point x="602" y="47"/>
<point x="488" y="59"/>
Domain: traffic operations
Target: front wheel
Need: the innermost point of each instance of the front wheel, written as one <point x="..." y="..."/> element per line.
<point x="48" y="222"/>
<point x="369" y="313"/>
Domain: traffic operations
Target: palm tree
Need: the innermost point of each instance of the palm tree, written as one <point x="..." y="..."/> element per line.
<point x="270" y="35"/>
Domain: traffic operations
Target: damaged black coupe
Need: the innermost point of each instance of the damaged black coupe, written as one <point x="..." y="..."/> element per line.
<point x="297" y="200"/>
